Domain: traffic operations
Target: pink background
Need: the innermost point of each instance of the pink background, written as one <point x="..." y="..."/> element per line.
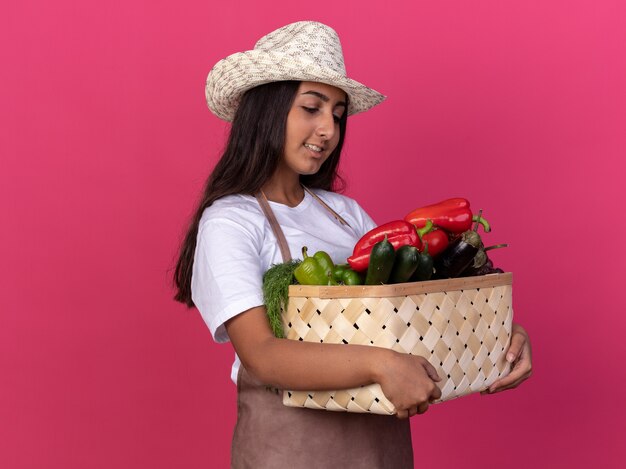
<point x="105" y="141"/>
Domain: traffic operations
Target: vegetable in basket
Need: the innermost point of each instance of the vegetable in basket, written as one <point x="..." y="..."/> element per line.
<point x="437" y="240"/>
<point x="453" y="215"/>
<point x="276" y="283"/>
<point x="485" y="269"/>
<point x="393" y="230"/>
<point x="425" y="266"/>
<point x="406" y="262"/>
<point x="351" y="277"/>
<point x="398" y="233"/>
<point x="381" y="260"/>
<point x="315" y="270"/>
<point x="482" y="265"/>
<point x="319" y="269"/>
<point x="460" y="254"/>
<point x="339" y="271"/>
<point x="342" y="273"/>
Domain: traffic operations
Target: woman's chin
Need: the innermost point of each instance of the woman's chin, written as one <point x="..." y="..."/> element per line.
<point x="309" y="170"/>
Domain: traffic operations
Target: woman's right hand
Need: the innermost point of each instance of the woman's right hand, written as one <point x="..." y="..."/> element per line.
<point x="408" y="381"/>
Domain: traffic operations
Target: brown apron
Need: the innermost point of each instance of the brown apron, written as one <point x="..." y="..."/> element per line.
<point x="269" y="435"/>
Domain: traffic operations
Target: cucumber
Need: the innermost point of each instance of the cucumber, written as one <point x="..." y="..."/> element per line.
<point x="381" y="263"/>
<point x="425" y="267"/>
<point x="406" y="261"/>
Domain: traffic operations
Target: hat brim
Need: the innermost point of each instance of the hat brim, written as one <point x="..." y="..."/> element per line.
<point x="237" y="73"/>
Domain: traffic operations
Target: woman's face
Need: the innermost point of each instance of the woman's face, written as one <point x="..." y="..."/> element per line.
<point x="313" y="126"/>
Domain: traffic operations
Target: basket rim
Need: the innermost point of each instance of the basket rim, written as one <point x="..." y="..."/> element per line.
<point x="401" y="289"/>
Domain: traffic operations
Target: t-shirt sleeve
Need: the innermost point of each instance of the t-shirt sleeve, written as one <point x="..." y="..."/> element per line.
<point x="227" y="273"/>
<point x="367" y="223"/>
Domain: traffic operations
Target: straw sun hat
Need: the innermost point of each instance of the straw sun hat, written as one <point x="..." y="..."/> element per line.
<point x="304" y="51"/>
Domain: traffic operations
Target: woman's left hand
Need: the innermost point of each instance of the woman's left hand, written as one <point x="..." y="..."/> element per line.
<point x="519" y="355"/>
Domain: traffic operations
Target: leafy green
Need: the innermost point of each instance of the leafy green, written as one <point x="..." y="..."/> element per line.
<point x="276" y="283"/>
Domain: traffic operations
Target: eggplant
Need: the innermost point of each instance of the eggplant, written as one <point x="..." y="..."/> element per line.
<point x="458" y="256"/>
<point x="482" y="264"/>
<point x="485" y="269"/>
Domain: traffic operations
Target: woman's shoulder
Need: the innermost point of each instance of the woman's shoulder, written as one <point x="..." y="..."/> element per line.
<point x="236" y="209"/>
<point x="232" y="205"/>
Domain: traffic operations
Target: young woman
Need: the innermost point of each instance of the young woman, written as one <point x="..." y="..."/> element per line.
<point x="269" y="195"/>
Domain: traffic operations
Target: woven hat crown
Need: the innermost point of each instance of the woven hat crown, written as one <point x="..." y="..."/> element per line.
<point x="302" y="51"/>
<point x="306" y="40"/>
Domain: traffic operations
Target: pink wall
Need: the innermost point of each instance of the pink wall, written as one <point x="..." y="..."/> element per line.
<point x="105" y="141"/>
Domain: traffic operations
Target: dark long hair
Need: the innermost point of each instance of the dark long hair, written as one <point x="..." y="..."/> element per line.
<point x="254" y="149"/>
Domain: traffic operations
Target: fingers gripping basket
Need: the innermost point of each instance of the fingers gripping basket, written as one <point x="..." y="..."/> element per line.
<point x="461" y="326"/>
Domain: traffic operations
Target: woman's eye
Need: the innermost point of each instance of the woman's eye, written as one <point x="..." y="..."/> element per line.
<point x="313" y="110"/>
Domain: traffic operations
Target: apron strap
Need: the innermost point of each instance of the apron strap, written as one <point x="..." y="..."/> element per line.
<point x="280" y="236"/>
<point x="278" y="232"/>
<point x="327" y="207"/>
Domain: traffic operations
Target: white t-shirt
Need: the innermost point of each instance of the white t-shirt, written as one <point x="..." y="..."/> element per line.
<point x="236" y="246"/>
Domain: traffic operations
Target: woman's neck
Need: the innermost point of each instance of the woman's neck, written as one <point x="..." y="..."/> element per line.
<point x="284" y="190"/>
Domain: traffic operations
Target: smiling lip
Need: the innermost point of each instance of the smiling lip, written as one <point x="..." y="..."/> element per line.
<point x="315" y="154"/>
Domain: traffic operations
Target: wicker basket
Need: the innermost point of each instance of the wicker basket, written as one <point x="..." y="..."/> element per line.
<point x="462" y="326"/>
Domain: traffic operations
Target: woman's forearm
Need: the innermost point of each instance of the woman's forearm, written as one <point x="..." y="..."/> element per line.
<point x="290" y="364"/>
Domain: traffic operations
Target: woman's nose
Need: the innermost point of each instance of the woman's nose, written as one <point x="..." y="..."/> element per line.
<point x="326" y="125"/>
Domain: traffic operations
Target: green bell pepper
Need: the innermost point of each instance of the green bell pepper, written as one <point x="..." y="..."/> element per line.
<point x="342" y="273"/>
<point x="315" y="270"/>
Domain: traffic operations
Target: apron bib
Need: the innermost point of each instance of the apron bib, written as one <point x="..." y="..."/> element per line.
<point x="269" y="435"/>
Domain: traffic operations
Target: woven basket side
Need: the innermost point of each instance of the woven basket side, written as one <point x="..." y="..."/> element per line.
<point x="463" y="334"/>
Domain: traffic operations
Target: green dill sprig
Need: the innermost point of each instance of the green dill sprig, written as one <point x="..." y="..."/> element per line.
<point x="276" y="283"/>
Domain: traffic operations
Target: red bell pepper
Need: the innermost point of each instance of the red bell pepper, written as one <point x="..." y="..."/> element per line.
<point x="392" y="230"/>
<point x="361" y="261"/>
<point x="398" y="233"/>
<point x="453" y="215"/>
